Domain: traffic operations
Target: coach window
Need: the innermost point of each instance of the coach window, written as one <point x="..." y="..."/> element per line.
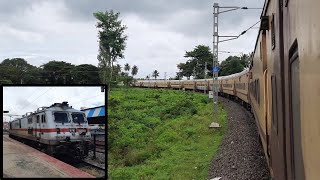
<point x="61" y="117"/>
<point x="38" y="117"/>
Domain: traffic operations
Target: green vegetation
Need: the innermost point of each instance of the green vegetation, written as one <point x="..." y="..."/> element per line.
<point x="112" y="42"/>
<point x="234" y="64"/>
<point x="161" y="134"/>
<point x="200" y="58"/>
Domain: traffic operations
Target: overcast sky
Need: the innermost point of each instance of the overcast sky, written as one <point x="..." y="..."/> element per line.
<point x="20" y="100"/>
<point x="159" y="31"/>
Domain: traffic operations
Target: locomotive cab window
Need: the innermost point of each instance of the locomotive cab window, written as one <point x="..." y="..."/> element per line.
<point x="78" y="118"/>
<point x="43" y="118"/>
<point x="61" y="117"/>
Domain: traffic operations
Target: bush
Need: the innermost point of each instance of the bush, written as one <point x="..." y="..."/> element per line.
<point x="152" y="132"/>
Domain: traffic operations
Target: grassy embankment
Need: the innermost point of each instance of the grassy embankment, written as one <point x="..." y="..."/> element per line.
<point x="161" y="134"/>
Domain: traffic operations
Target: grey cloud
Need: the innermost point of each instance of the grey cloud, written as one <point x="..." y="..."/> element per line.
<point x="180" y="25"/>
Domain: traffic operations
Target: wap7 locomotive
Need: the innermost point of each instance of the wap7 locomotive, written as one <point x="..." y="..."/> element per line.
<point x="59" y="129"/>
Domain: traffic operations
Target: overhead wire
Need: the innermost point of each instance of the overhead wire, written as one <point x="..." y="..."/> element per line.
<point x="37" y="98"/>
<point x="249" y="28"/>
<point x="88" y="98"/>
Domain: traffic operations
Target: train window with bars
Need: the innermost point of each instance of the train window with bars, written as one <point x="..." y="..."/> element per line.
<point x="273" y="35"/>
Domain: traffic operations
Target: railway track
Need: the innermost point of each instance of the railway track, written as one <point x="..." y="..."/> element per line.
<point x="90" y="168"/>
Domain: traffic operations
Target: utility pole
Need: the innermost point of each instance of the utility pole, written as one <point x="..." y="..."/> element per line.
<point x="215" y="63"/>
<point x="216" y="41"/>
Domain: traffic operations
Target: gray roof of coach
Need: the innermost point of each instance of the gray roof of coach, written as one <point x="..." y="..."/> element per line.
<point x="234" y="75"/>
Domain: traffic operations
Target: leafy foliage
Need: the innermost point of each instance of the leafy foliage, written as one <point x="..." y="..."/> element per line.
<point x="234" y="64"/>
<point x="112" y="41"/>
<point x="155" y="74"/>
<point x="199" y="60"/>
<point x="134" y="70"/>
<point x="17" y="71"/>
<point x="158" y="134"/>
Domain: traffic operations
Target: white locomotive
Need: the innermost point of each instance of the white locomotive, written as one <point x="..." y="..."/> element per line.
<point x="59" y="128"/>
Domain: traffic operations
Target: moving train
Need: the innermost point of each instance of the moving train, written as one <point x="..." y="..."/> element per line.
<point x="281" y="87"/>
<point x="59" y="129"/>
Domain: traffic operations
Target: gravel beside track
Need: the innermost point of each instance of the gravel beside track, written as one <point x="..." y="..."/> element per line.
<point x="240" y="155"/>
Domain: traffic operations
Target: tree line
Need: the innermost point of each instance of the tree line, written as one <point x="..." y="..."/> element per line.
<point x="19" y="71"/>
<point x="199" y="64"/>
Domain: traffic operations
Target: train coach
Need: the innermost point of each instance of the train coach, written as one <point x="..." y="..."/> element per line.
<point x="59" y="129"/>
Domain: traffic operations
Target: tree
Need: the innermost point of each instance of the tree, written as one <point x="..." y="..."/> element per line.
<point x="178" y="76"/>
<point x="186" y="69"/>
<point x="58" y="72"/>
<point x="127" y="67"/>
<point x="85" y="74"/>
<point x="155" y="74"/>
<point x="117" y="73"/>
<point x="18" y="71"/>
<point x="245" y="60"/>
<point x="134" y="70"/>
<point x="200" y="56"/>
<point x="127" y="78"/>
<point x="230" y="66"/>
<point x="199" y="60"/>
<point x="112" y="42"/>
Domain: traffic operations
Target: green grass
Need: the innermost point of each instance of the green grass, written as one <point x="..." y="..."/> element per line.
<point x="161" y="134"/>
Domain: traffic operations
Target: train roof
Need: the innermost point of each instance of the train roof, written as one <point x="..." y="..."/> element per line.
<point x="64" y="106"/>
<point x="234" y="75"/>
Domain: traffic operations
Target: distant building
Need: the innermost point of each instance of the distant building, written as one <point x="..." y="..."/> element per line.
<point x="95" y="115"/>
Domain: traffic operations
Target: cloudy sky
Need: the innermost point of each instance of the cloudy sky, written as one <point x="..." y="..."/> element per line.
<point x="19" y="100"/>
<point x="159" y="31"/>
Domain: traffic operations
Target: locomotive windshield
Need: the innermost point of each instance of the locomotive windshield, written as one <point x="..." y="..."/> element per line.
<point x="61" y="117"/>
<point x="78" y="118"/>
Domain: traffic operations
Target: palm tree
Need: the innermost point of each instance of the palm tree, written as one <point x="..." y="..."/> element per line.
<point x="134" y="70"/>
<point x="127" y="67"/>
<point x="155" y="74"/>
